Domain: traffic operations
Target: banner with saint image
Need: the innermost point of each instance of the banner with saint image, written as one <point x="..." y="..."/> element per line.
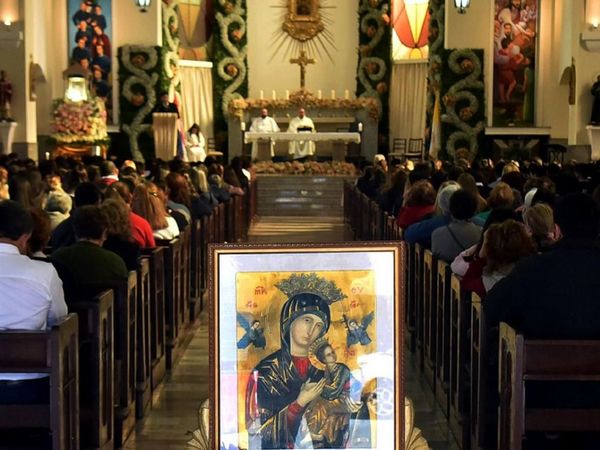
<point x="515" y="54"/>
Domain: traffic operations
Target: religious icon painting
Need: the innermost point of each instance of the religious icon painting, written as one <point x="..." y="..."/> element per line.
<point x="306" y="347"/>
<point x="515" y="55"/>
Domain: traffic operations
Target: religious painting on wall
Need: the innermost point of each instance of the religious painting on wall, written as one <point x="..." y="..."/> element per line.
<point x="195" y="29"/>
<point x="306" y="347"/>
<point x="515" y="49"/>
<point x="90" y="34"/>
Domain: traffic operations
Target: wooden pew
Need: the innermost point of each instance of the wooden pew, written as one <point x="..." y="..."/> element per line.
<point x="442" y="366"/>
<point x="418" y="294"/>
<point x="143" y="387"/>
<point x="54" y="352"/>
<point x="172" y="299"/>
<point x="185" y="269"/>
<point x="365" y="220"/>
<point x="208" y="237"/>
<point x="459" y="412"/>
<point x="480" y="420"/>
<point x="528" y="360"/>
<point x="429" y="290"/>
<point x="126" y="300"/>
<point x="156" y="258"/>
<point x="410" y="298"/>
<point x="220" y="223"/>
<point x="96" y="370"/>
<point x="196" y="270"/>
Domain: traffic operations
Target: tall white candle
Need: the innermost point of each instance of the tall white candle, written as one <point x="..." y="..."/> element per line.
<point x="47" y="155"/>
<point x="287" y="94"/>
<point x="333" y="94"/>
<point x="360" y="127"/>
<point x="347" y="94"/>
<point x="319" y="94"/>
<point x="243" y="125"/>
<point x="274" y="95"/>
<point x="262" y="94"/>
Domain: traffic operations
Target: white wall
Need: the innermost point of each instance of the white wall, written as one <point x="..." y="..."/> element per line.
<point x="268" y="72"/>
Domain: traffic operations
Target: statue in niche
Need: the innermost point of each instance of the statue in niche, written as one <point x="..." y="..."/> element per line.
<point x="595" y="120"/>
<point x="6" y="91"/>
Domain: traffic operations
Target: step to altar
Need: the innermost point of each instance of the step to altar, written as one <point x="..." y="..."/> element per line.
<point x="301" y="195"/>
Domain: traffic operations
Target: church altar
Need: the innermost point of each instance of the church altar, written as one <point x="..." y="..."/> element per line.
<point x="329" y="115"/>
<point x="339" y="141"/>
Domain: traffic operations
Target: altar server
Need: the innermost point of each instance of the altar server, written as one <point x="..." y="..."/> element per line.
<point x="263" y="124"/>
<point x="301" y="124"/>
<point x="195" y="144"/>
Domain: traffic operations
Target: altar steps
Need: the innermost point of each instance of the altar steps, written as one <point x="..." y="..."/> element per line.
<point x="300" y="195"/>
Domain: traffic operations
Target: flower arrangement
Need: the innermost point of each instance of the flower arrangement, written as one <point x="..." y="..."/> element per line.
<point x="338" y="168"/>
<point x="79" y="123"/>
<point x="303" y="99"/>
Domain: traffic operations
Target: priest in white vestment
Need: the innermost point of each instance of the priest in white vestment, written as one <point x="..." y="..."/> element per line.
<point x="263" y="124"/>
<point x="301" y="124"/>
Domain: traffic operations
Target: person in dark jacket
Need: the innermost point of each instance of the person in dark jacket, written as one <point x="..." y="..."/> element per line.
<point x="85" y="268"/>
<point x="555" y="295"/>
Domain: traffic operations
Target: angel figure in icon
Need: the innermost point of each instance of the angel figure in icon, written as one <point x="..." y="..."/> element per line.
<point x="357" y="333"/>
<point x="255" y="333"/>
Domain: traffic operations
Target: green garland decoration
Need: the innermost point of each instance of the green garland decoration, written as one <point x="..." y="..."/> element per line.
<point x="230" y="69"/>
<point x="375" y="59"/>
<point x="437" y="17"/>
<point x="139" y="75"/>
<point x="462" y="90"/>
<point x="170" y="80"/>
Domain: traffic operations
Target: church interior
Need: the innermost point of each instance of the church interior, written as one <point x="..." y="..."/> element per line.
<point x="307" y="224"/>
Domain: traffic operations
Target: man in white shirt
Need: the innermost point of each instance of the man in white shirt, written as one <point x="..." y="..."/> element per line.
<point x="31" y="295"/>
<point x="301" y="124"/>
<point x="263" y="124"/>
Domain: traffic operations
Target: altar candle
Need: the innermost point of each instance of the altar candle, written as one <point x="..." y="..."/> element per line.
<point x="347" y="94"/>
<point x="319" y="94"/>
<point x="360" y="127"/>
<point x="262" y="94"/>
<point x="47" y="155"/>
<point x="243" y="125"/>
<point x="333" y="94"/>
<point x="274" y="95"/>
<point x="287" y="94"/>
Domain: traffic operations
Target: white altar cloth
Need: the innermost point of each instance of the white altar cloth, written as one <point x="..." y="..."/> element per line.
<point x="250" y="136"/>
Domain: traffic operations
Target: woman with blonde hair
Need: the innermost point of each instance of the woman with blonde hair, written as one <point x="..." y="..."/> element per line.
<point x="539" y="220"/>
<point x="146" y="203"/>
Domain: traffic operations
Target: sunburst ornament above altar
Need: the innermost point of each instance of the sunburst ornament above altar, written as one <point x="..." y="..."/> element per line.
<point x="304" y="28"/>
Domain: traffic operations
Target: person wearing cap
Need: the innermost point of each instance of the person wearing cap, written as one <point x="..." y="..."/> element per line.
<point x="380" y="161"/>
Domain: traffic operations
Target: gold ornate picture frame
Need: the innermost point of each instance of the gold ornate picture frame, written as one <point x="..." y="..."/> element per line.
<point x="303" y="20"/>
<point x="306" y="346"/>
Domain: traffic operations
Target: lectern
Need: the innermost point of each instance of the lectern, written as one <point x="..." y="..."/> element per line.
<point x="165" y="135"/>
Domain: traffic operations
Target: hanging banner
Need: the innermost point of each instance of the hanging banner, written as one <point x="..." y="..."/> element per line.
<point x="515" y="49"/>
<point x="90" y="35"/>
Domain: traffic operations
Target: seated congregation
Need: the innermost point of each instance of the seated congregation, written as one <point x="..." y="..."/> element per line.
<point x="102" y="274"/>
<point x="501" y="307"/>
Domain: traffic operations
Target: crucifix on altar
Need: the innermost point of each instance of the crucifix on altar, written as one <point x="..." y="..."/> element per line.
<point x="302" y="61"/>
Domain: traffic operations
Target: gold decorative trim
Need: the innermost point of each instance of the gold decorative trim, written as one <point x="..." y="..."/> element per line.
<point x="303" y="21"/>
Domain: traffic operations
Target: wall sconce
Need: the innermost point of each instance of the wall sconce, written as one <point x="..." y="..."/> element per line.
<point x="461" y="5"/>
<point x="10" y="34"/>
<point x="143" y="4"/>
<point x="590" y="38"/>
